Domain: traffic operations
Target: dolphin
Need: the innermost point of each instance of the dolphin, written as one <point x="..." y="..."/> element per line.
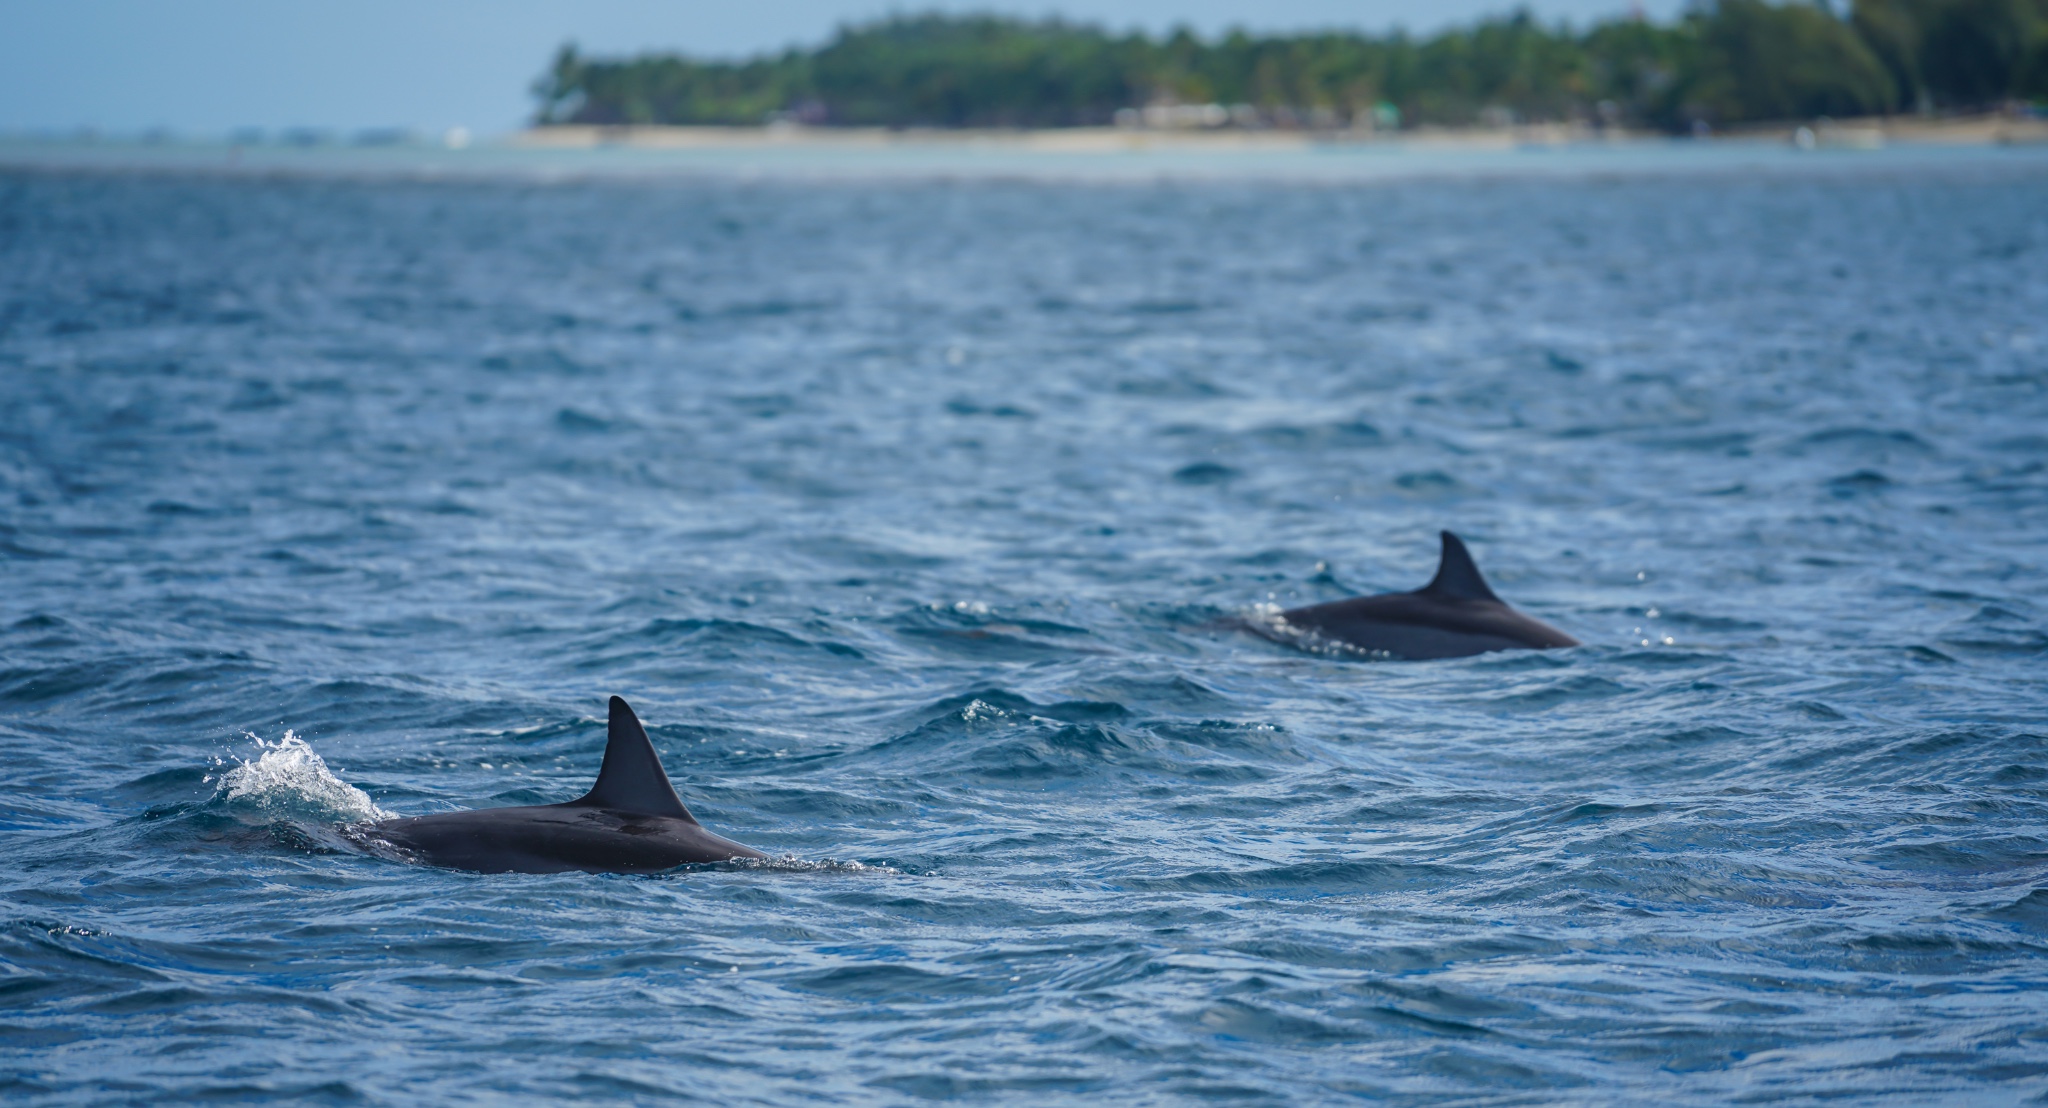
<point x="631" y="821"/>
<point x="1453" y="616"/>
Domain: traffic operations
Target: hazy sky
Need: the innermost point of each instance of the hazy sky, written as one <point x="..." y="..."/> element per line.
<point x="214" y="65"/>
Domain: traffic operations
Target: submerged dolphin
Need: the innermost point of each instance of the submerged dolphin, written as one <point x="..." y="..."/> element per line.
<point x="1453" y="616"/>
<point x="631" y="821"/>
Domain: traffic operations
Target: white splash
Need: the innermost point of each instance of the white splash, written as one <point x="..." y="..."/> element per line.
<point x="288" y="780"/>
<point x="790" y="863"/>
<point x="1271" y="621"/>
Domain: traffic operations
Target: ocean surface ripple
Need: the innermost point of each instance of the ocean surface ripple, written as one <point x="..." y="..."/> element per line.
<point x="902" y="511"/>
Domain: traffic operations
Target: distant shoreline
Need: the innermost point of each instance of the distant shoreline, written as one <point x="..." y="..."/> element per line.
<point x="1988" y="129"/>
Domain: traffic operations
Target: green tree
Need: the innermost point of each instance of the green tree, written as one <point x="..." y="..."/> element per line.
<point x="1974" y="52"/>
<point x="1791" y="61"/>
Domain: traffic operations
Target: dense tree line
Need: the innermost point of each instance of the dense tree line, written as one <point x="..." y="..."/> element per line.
<point x="1726" y="62"/>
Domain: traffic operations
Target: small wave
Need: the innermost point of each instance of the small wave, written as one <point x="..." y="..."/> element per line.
<point x="1869" y="440"/>
<point x="1204" y="473"/>
<point x="289" y="780"/>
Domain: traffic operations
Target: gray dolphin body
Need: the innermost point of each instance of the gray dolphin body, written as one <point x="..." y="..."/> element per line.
<point x="631" y="821"/>
<point x="1453" y="616"/>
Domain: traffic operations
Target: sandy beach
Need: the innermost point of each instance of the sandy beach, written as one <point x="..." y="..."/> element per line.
<point x="1079" y="154"/>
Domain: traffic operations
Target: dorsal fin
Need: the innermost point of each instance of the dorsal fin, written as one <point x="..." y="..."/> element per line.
<point x="631" y="779"/>
<point x="1456" y="576"/>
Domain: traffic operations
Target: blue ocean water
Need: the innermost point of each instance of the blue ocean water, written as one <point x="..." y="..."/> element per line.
<point x="901" y="509"/>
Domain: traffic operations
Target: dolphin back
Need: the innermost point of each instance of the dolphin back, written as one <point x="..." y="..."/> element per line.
<point x="631" y="821"/>
<point x="1453" y="616"/>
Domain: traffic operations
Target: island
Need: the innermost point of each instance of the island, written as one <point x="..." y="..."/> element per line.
<point x="1721" y="66"/>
